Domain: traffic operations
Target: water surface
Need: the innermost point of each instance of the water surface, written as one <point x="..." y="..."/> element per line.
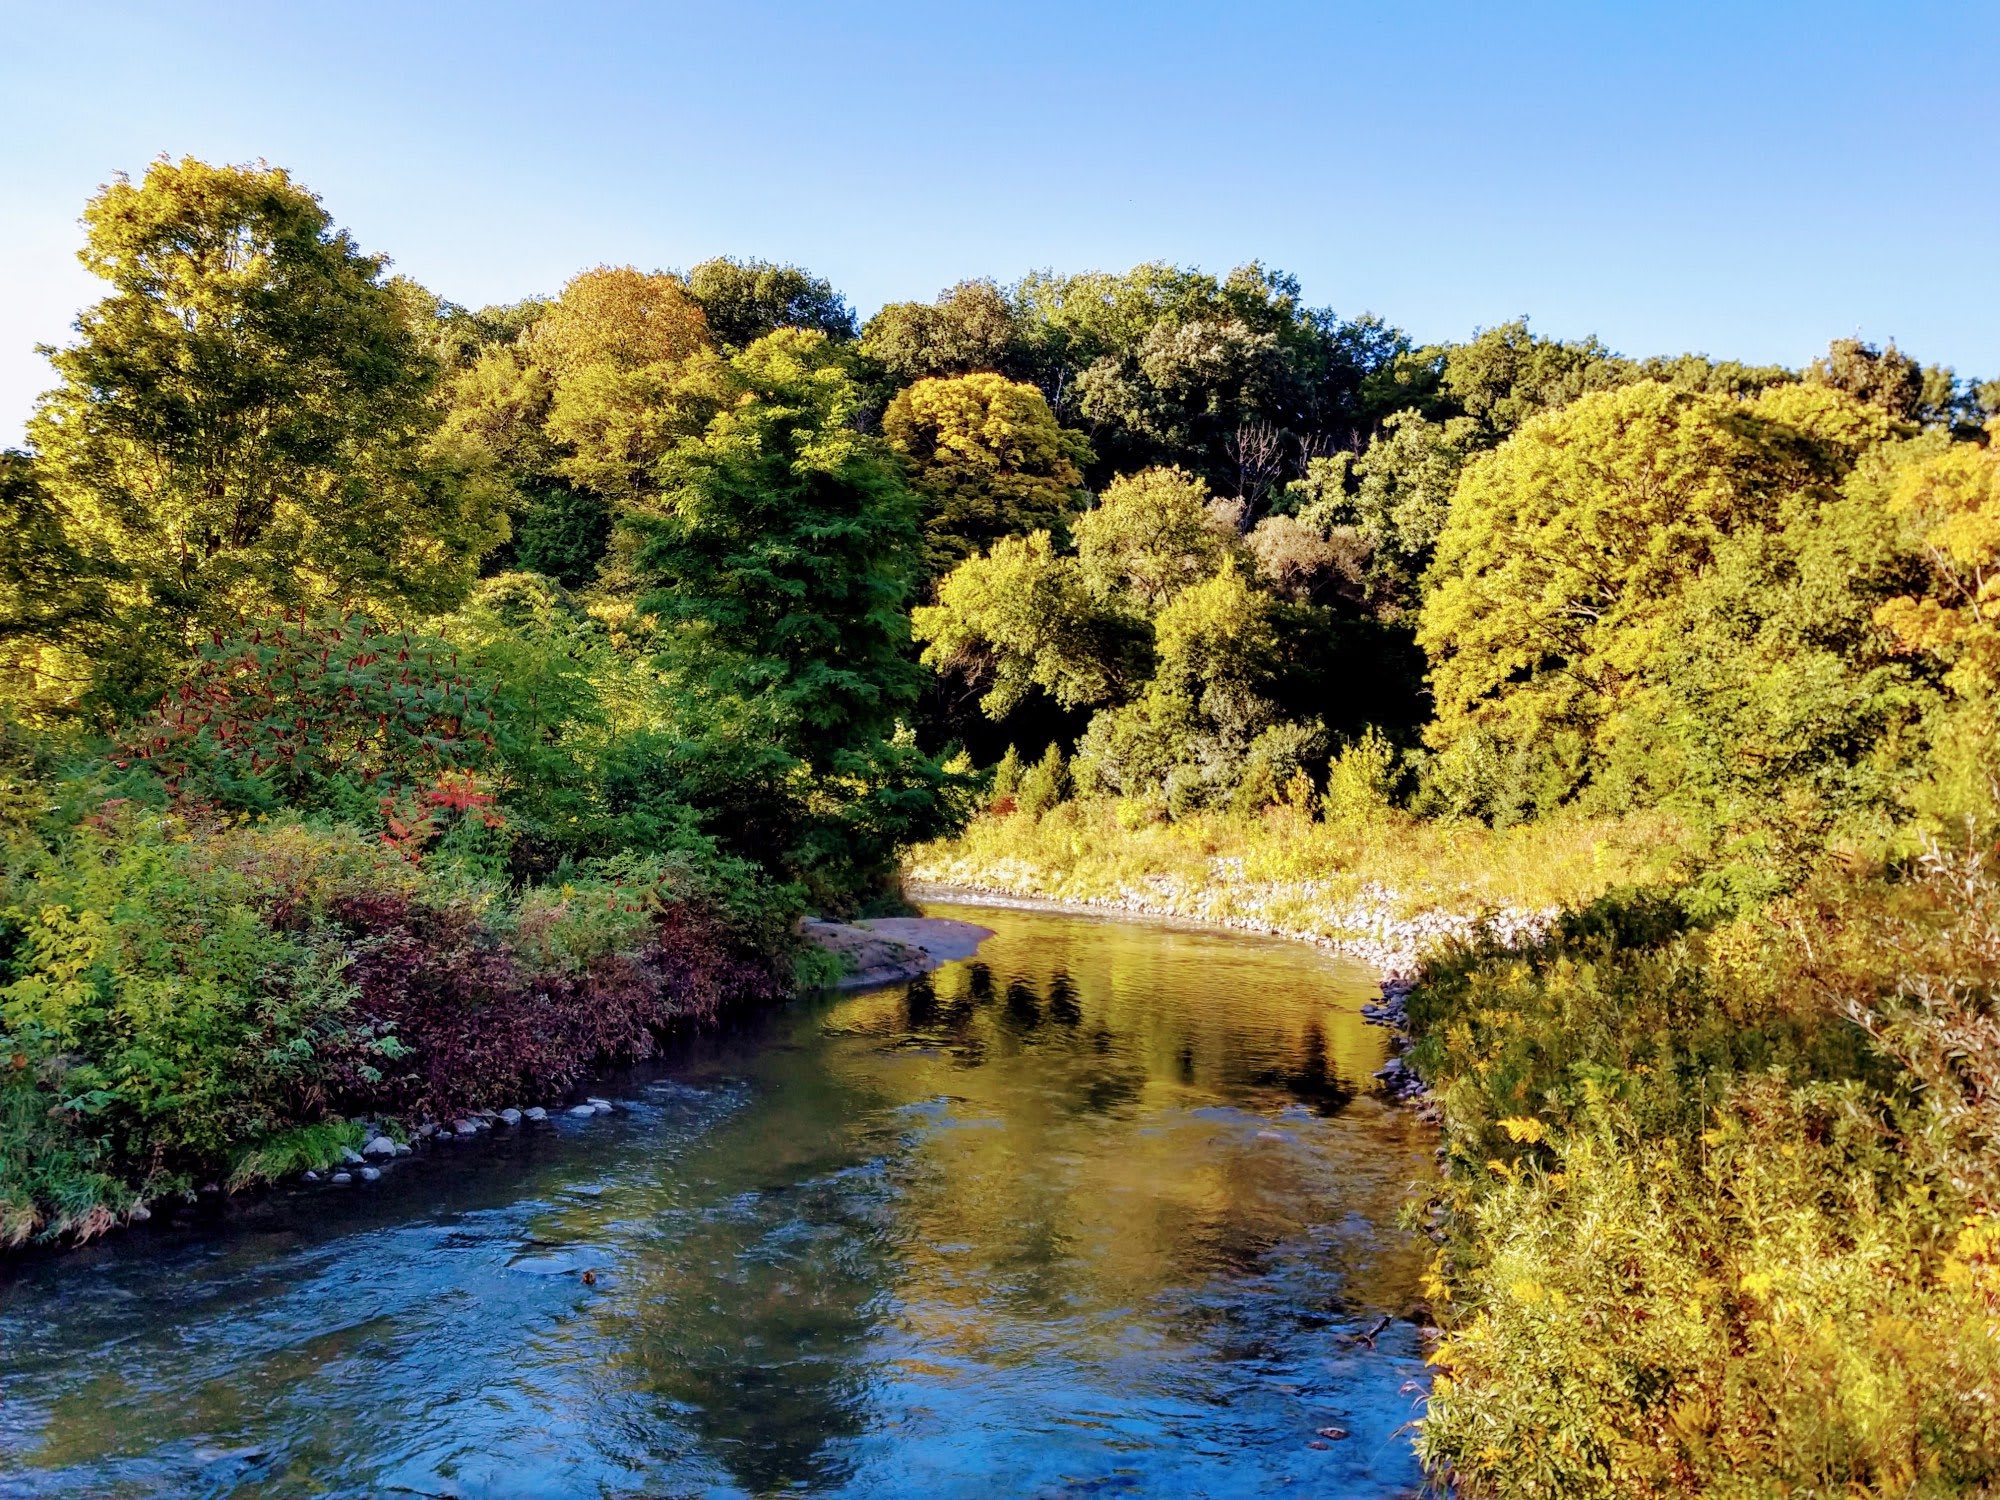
<point x="1098" y="1213"/>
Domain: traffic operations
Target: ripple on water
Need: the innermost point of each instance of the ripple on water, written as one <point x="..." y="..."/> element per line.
<point x="1093" y="1215"/>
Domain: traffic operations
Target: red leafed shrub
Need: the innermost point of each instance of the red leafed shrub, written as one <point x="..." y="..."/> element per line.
<point x="319" y="714"/>
<point x="486" y="1025"/>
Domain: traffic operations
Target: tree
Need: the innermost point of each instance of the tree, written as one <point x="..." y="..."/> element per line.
<point x="1886" y="379"/>
<point x="576" y="408"/>
<point x="1507" y="375"/>
<point x="781" y="553"/>
<point x="1205" y="718"/>
<point x="1149" y="536"/>
<point x="970" y="327"/>
<point x="746" y="299"/>
<point x="245" y="422"/>
<point x="1565" y="547"/>
<point x="1949" y="504"/>
<point x="55" y="604"/>
<point x="989" y="459"/>
<point x="1022" y="617"/>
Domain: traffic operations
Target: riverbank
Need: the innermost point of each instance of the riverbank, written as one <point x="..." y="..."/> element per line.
<point x="1383" y="891"/>
<point x="1718" y="1207"/>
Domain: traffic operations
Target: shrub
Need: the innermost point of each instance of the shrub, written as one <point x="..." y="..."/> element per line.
<point x="1044" y="784"/>
<point x="1361" y="781"/>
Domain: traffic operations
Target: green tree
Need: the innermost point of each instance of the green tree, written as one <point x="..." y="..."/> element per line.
<point x="971" y="327"/>
<point x="1022" y="617"/>
<point x="989" y="459"/>
<point x="1149" y="536"/>
<point x="746" y="299"/>
<point x="1507" y="374"/>
<point x="245" y="423"/>
<point x="782" y="553"/>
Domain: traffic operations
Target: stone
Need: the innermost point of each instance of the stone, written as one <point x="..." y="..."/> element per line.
<point x="140" y="1213"/>
<point x="465" y="1128"/>
<point x="582" y="1111"/>
<point x="510" y="1117"/>
<point x="350" y="1157"/>
<point x="426" y="1130"/>
<point x="402" y="1149"/>
<point x="341" y="1179"/>
<point x="311" y="1176"/>
<point x="380" y="1146"/>
<point x="371" y="1174"/>
<point x="602" y="1106"/>
<point x="535" y="1112"/>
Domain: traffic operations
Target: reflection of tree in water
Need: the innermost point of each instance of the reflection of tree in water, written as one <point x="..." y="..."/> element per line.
<point x="1312" y="1079"/>
<point x="1063" y="1007"/>
<point x="1024" y="1006"/>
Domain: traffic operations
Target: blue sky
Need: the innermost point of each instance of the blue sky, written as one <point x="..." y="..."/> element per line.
<point x="1747" y="179"/>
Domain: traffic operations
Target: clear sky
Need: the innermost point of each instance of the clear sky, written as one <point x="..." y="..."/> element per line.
<point x="1746" y="179"/>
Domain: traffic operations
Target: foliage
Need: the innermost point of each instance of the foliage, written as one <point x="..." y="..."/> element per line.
<point x="1560" y="573"/>
<point x="343" y="715"/>
<point x="989" y="460"/>
<point x="784" y="549"/>
<point x="1149" y="536"/>
<point x="1677" y="1134"/>
<point x="244" y="425"/>
<point x="745" y="299"/>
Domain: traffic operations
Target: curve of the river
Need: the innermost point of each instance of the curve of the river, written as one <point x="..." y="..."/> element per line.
<point x="1104" y="1211"/>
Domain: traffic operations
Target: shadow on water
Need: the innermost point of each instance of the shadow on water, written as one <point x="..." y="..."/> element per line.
<point x="1088" y="1215"/>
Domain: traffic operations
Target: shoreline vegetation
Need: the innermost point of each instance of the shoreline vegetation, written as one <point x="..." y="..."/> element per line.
<point x="406" y="708"/>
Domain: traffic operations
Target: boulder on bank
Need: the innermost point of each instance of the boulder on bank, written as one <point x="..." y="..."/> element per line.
<point x="887" y="949"/>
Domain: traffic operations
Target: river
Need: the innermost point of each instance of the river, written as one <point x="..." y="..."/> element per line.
<point x="1102" y="1212"/>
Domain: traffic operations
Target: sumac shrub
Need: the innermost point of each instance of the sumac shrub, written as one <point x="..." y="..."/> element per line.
<point x="320" y="714"/>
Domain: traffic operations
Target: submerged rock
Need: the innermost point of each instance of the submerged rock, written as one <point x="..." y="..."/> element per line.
<point x="582" y="1111"/>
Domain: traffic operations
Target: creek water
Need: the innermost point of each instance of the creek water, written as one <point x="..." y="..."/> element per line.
<point x="1104" y="1211"/>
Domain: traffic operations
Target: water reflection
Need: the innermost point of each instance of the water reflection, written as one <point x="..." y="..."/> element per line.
<point x="1087" y="1215"/>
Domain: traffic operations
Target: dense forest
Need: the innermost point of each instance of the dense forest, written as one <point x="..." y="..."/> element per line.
<point x="405" y="708"/>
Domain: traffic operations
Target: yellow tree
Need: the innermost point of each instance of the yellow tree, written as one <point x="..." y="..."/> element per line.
<point x="1566" y="547"/>
<point x="989" y="459"/>
<point x="1950" y="503"/>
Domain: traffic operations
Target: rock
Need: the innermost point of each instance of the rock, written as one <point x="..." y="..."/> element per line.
<point x="349" y="1157"/>
<point x="1333" y="1434"/>
<point x="380" y="1146"/>
<point x="341" y="1179"/>
<point x="510" y="1117"/>
<point x="140" y="1213"/>
<point x="426" y="1130"/>
<point x="402" y="1149"/>
<point x="311" y="1175"/>
<point x="602" y="1106"/>
<point x="465" y="1128"/>
<point x="582" y="1111"/>
<point x="371" y="1174"/>
<point x="535" y="1112"/>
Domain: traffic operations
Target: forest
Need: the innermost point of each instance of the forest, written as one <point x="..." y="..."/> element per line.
<point x="407" y="708"/>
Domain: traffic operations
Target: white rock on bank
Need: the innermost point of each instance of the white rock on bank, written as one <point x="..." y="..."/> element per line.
<point x="510" y="1117"/>
<point x="535" y="1112"/>
<point x="380" y="1146"/>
